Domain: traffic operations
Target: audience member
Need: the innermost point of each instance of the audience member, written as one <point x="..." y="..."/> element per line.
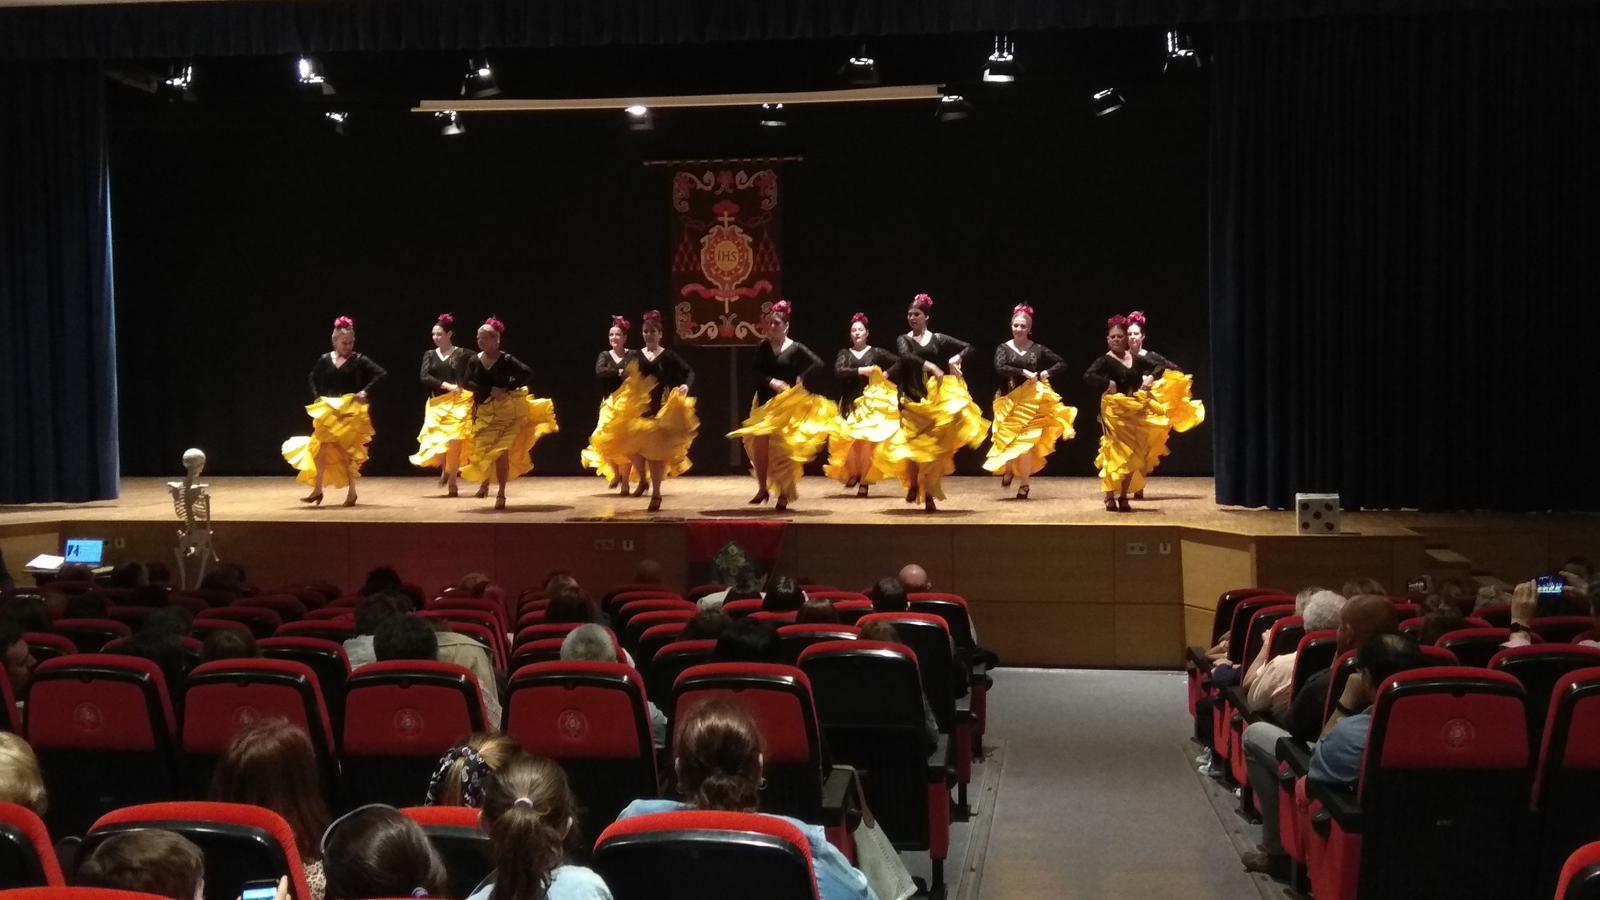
<point x="1267" y="682"/>
<point x="560" y="580"/>
<point x="375" y="851"/>
<point x="405" y="637"/>
<point x="270" y="763"/>
<point x="530" y="814"/>
<point x="591" y="643"/>
<point x="382" y="580"/>
<point x="27" y="612"/>
<point x="130" y="575"/>
<point x="226" y="643"/>
<point x="719" y="762"/>
<point x="225" y="577"/>
<point x="817" y="612"/>
<point x="158" y="572"/>
<point x="1358" y="586"/>
<point x="785" y="596"/>
<point x="1438" y="622"/>
<point x="459" y="779"/>
<point x="371" y="611"/>
<point x="20" y="780"/>
<point x="1525" y="608"/>
<point x="883" y="632"/>
<point x="888" y="596"/>
<point x="473" y="584"/>
<point x="463" y="651"/>
<point x="1336" y="759"/>
<point x="150" y="595"/>
<point x="19" y="659"/>
<point x="915" y="579"/>
<point x="648" y="571"/>
<point x="74" y="572"/>
<point x="747" y="640"/>
<point x="569" y="606"/>
<point x="1357" y="619"/>
<point x="151" y="861"/>
<point x="160" y="640"/>
<point x="707" y="625"/>
<point x="745" y="584"/>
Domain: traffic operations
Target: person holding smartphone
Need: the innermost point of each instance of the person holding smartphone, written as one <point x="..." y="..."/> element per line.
<point x="1532" y="599"/>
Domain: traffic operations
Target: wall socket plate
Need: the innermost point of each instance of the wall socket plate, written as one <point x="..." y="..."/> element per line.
<point x="1138" y="548"/>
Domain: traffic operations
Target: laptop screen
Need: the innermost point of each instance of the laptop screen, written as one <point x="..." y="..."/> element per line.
<point x="85" y="551"/>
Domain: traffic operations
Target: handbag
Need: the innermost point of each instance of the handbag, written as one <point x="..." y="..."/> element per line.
<point x="875" y="854"/>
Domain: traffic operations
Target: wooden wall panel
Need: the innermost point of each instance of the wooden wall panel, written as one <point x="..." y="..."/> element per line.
<point x="1215" y="563"/>
<point x="1034" y="565"/>
<point x="1050" y="634"/>
<point x="1151" y="577"/>
<point x="1292" y="563"/>
<point x="1149" y="636"/>
<point x="1197" y="626"/>
<point x="853" y="557"/>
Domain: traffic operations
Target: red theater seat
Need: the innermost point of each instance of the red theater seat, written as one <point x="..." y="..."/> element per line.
<point x="204" y="626"/>
<point x="773" y="617"/>
<point x="541" y="632"/>
<point x="641" y="622"/>
<point x="455" y="832"/>
<point x="1561" y="629"/>
<point x="869" y="704"/>
<point x="95" y="720"/>
<point x="328" y="613"/>
<point x="239" y="842"/>
<point x="90" y="635"/>
<point x="475" y="604"/>
<point x="653" y="639"/>
<point x="1580" y="875"/>
<point x="592" y="718"/>
<point x="668" y="663"/>
<point x="228" y="693"/>
<point x="705" y="856"/>
<point x="27" y="858"/>
<point x="78" y="893"/>
<point x="1474" y="646"/>
<point x="1445" y="779"/>
<point x="261" y="621"/>
<point x="1313" y="654"/>
<point x="399" y="718"/>
<point x="623" y="613"/>
<point x="741" y="608"/>
<point x="326" y="658"/>
<point x="47" y="646"/>
<point x="288" y="607"/>
<point x="336" y="630"/>
<point x="1568" y="778"/>
<point x="929" y="637"/>
<point x="701" y="590"/>
<point x="1538" y="667"/>
<point x="794" y="638"/>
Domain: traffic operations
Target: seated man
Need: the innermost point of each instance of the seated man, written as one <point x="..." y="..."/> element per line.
<point x="373" y="610"/>
<point x="19" y="660"/>
<point x="889" y="595"/>
<point x="591" y="643"/>
<point x="151" y="861"/>
<point x="1525" y="608"/>
<point x="408" y="637"/>
<point x="1267" y="682"/>
<point x="1336" y="759"/>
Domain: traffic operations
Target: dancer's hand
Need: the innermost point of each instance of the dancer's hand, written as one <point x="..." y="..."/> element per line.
<point x="955" y="365"/>
<point x="681" y="390"/>
<point x="1111" y="386"/>
<point x="452" y="388"/>
<point x="362" y="396"/>
<point x="497" y="393"/>
<point x="1030" y="375"/>
<point x="933" y="370"/>
<point x="1146" y="381"/>
<point x="778" y="385"/>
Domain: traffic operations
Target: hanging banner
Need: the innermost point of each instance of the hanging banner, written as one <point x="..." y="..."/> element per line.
<point x="726" y="266"/>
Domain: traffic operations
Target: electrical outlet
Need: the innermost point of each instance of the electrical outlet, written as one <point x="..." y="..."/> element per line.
<point x="1138" y="548"/>
<point x="119" y="543"/>
<point x="605" y="544"/>
<point x="1164" y="548"/>
<point x="627" y="546"/>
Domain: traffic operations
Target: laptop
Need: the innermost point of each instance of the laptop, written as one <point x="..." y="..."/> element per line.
<point x="84" y="552"/>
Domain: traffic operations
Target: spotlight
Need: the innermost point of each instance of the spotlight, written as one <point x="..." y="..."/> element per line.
<point x="953" y="108"/>
<point x="338" y="119"/>
<point x="178" y="85"/>
<point x="452" y="123"/>
<point x="479" y="81"/>
<point x="1106" y="102"/>
<point x="639" y="118"/>
<point x="773" y="116"/>
<point x="309" y="72"/>
<point x="1002" y="67"/>
<point x="860" y="69"/>
<point x="1180" y="52"/>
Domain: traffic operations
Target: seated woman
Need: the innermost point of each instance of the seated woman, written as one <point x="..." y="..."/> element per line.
<point x="270" y="763"/>
<point x="151" y="861"/>
<point x="465" y="767"/>
<point x="530" y="814"/>
<point x="719" y="767"/>
<point x="375" y="851"/>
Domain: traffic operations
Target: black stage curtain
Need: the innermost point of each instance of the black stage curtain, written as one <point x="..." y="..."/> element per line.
<point x="58" y="381"/>
<point x="249" y="28"/>
<point x="1403" y="241"/>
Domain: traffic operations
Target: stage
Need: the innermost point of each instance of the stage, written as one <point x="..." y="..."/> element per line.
<point x="1054" y="580"/>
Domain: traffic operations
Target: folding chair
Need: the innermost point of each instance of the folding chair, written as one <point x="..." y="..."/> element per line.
<point x="224" y="695"/>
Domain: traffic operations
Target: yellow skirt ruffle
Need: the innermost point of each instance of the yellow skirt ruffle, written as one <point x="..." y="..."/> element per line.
<point x="797" y="423"/>
<point x="341" y="429"/>
<point x="1169" y="396"/>
<point x="447" y="418"/>
<point x="667" y="435"/>
<point x="931" y="431"/>
<point x="508" y="426"/>
<point x="1027" y="424"/>
<point x="1131" y="428"/>
<point x="612" y="441"/>
<point x="873" y="418"/>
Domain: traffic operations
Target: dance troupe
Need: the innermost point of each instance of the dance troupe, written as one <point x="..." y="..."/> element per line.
<point x="902" y="414"/>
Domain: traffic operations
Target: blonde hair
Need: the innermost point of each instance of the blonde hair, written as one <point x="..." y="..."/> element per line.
<point x="20" y="780"/>
<point x="495" y="749"/>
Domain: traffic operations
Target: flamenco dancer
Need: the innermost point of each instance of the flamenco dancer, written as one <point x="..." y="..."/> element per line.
<point x="871" y="409"/>
<point x="341" y="420"/>
<point x="609" y="452"/>
<point x="788" y="424"/>
<point x="662" y="439"/>
<point x="447" y="417"/>
<point x="1171" y="392"/>
<point x="937" y="415"/>
<point x="1029" y="417"/>
<point x="506" y="419"/>
<point x="1128" y="422"/>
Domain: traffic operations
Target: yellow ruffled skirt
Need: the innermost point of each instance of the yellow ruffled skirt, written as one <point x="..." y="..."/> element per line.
<point x="509" y="426"/>
<point x="341" y="429"/>
<point x="931" y="431"/>
<point x="613" y="440"/>
<point x="1131" y="428"/>
<point x="873" y="418"/>
<point x="1170" y="396"/>
<point x="446" y="418"/>
<point x="797" y="423"/>
<point x="1027" y="424"/>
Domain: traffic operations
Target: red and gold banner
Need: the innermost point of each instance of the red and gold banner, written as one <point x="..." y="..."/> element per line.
<point x="726" y="266"/>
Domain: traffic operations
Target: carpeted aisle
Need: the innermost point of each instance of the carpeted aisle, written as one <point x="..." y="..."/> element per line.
<point x="1097" y="796"/>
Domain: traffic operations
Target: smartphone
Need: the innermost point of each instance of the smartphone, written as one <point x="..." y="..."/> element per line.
<point x="1417" y="585"/>
<point x="263" y="889"/>
<point x="1550" y="584"/>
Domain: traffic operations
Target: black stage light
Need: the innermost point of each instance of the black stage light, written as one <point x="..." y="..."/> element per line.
<point x="452" y="123"/>
<point x="179" y="83"/>
<point x="479" y="82"/>
<point x="338" y="119"/>
<point x="953" y="108"/>
<point x="1180" y="52"/>
<point x="860" y="69"/>
<point x="309" y="72"/>
<point x="773" y="116"/>
<point x="1002" y="66"/>
<point x="640" y="118"/>
<point x="1106" y="101"/>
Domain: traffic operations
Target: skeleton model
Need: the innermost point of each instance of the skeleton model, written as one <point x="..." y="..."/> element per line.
<point x="192" y="503"/>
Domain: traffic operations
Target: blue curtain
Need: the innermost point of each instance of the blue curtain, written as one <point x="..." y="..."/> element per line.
<point x="1403" y="260"/>
<point x="58" y="366"/>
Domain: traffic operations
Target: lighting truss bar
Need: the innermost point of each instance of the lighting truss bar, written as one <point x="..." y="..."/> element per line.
<point x="683" y="101"/>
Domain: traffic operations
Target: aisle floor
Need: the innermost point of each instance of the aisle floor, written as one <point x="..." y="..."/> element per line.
<point x="1095" y="794"/>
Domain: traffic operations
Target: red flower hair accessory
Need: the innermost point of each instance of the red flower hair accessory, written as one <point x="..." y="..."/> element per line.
<point x="782" y="308"/>
<point x="1118" y="321"/>
<point x="344" y="323"/>
<point x="498" y="326"/>
<point x="446" y="321"/>
<point x="1022" y="309"/>
<point x="922" y="302"/>
<point x="651" y="315"/>
<point x="620" y="322"/>
<point x="860" y="317"/>
<point x="1136" y="318"/>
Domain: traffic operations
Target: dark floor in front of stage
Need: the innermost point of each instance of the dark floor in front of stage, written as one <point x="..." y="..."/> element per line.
<point x="1093" y="794"/>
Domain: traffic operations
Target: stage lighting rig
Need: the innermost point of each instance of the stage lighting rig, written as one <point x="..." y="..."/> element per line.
<point x="178" y="85"/>
<point x="773" y="116"/>
<point x="479" y="82"/>
<point x="338" y="119"/>
<point x="1106" y="101"/>
<point x="452" y="123"/>
<point x="640" y="118"/>
<point x="860" y="69"/>
<point x="309" y="73"/>
<point x="1180" y="52"/>
<point x="953" y="108"/>
<point x="1002" y="66"/>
